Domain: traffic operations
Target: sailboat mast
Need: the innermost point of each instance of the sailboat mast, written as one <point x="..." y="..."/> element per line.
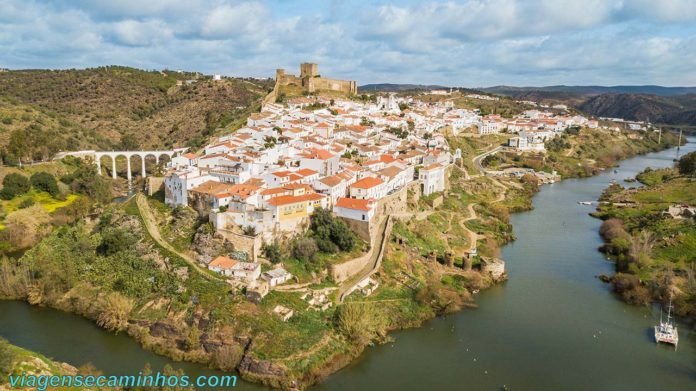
<point x="680" y="136"/>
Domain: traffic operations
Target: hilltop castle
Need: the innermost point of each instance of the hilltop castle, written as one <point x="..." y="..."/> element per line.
<point x="311" y="81"/>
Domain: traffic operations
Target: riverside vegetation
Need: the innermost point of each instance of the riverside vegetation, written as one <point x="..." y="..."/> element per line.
<point x="96" y="259"/>
<point x="654" y="251"/>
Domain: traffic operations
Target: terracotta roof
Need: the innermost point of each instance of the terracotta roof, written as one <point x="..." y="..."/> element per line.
<point x="354" y="203"/>
<point x="190" y="155"/>
<point x="331" y="181"/>
<point x="212" y="188"/>
<point x="223" y="262"/>
<point x="367" y="183"/>
<point x="390" y="171"/>
<point x="287" y="200"/>
<point x="320" y="154"/>
<point x="306" y="172"/>
<point x="387" y="158"/>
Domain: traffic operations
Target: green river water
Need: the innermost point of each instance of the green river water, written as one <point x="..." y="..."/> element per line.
<point x="552" y="326"/>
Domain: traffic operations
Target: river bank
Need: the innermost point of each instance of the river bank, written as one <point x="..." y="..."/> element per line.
<point x="553" y="325"/>
<point x="404" y="306"/>
<point x="650" y="234"/>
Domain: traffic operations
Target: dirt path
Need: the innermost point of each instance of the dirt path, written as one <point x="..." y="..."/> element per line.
<point x="153" y="230"/>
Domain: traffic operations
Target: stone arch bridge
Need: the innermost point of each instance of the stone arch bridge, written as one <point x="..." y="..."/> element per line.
<point x="97" y="155"/>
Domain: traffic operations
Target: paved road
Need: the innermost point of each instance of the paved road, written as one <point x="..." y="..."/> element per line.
<point x="478" y="159"/>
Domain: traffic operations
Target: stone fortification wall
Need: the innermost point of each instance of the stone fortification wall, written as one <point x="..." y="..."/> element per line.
<point x="249" y="244"/>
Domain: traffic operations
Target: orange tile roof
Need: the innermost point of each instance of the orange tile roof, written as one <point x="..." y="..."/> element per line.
<point x="331" y="181"/>
<point x="212" y="188"/>
<point x="367" y="183"/>
<point x="387" y="158"/>
<point x="306" y="172"/>
<point x="223" y="262"/>
<point x="320" y="154"/>
<point x="354" y="203"/>
<point x="288" y="199"/>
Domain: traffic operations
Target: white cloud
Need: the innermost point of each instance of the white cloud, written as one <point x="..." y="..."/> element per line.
<point x="136" y="33"/>
<point x="471" y="42"/>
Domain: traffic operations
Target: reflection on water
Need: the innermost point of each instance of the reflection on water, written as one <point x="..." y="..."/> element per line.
<point x="553" y="325"/>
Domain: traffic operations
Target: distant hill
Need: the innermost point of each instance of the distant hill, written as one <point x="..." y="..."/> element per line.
<point x="590" y="90"/>
<point x="388" y="87"/>
<point x="119" y="107"/>
<point x="665" y="105"/>
<point x="673" y="110"/>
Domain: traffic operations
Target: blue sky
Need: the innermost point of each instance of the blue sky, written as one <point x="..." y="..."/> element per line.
<point x="460" y="43"/>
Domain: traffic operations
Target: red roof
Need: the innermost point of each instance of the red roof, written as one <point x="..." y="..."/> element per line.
<point x="354" y="203"/>
<point x="367" y="183"/>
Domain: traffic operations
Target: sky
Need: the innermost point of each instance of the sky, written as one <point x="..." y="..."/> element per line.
<point x="470" y="43"/>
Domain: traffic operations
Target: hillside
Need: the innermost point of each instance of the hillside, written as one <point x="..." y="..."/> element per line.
<point x="119" y="107"/>
<point x="663" y="105"/>
<point x="591" y="90"/>
<point x="673" y="110"/>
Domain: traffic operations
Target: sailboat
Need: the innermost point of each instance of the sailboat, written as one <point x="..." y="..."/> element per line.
<point x="667" y="331"/>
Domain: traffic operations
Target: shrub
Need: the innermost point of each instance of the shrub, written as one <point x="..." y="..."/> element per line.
<point x="114" y="240"/>
<point x="13" y="185"/>
<point x="44" y="181"/>
<point x="361" y="322"/>
<point x="304" y="249"/>
<point x="27" y="202"/>
<point x="687" y="164"/>
<point x="272" y="252"/>
<point x="86" y="180"/>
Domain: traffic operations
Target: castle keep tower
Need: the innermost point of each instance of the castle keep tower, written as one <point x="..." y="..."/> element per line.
<point x="308" y="69"/>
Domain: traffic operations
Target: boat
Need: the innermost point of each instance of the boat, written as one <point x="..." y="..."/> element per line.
<point x="585" y="202"/>
<point x="667" y="332"/>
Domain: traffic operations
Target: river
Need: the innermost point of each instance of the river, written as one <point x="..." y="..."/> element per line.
<point x="553" y="325"/>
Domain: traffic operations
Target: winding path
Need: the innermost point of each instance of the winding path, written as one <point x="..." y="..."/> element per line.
<point x="153" y="230"/>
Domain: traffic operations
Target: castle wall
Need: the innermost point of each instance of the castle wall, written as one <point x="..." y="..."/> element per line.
<point x="322" y="83"/>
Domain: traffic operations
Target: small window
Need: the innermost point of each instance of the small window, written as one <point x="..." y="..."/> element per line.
<point x="363" y="217"/>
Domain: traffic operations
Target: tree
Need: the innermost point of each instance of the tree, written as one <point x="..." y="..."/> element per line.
<point x="13" y="185"/>
<point x="304" y="249"/>
<point x="44" y="181"/>
<point x="128" y="142"/>
<point x="687" y="164"/>
<point x="85" y="180"/>
<point x="342" y="236"/>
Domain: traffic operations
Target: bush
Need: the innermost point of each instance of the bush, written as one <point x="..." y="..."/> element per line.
<point x="687" y="164"/>
<point x="361" y="322"/>
<point x="115" y="240"/>
<point x="13" y="185"/>
<point x="272" y="252"/>
<point x="331" y="233"/>
<point x="27" y="202"/>
<point x="44" y="181"/>
<point x="86" y="180"/>
<point x="304" y="249"/>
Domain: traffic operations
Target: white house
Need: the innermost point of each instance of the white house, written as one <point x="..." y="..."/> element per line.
<point x="368" y="187"/>
<point x="433" y="177"/>
<point x="355" y="209"/>
<point x="276" y="276"/>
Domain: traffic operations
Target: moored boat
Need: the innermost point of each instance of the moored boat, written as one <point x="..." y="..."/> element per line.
<point x="667" y="332"/>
